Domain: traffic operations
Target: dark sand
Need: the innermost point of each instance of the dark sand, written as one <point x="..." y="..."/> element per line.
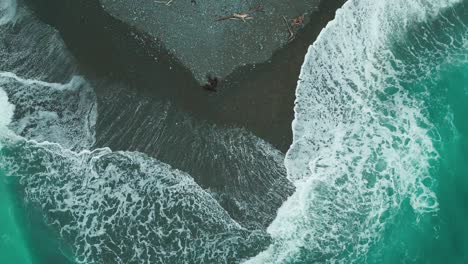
<point x="247" y="181"/>
<point x="261" y="97"/>
<point x="258" y="97"/>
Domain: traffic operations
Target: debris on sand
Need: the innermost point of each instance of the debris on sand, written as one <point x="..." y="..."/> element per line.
<point x="292" y="35"/>
<point x="244" y="16"/>
<point x="295" y="22"/>
<point x="167" y="3"/>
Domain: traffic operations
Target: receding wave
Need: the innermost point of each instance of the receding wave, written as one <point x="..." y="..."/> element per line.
<point x="7" y="109"/>
<point x="61" y="113"/>
<point x="245" y="174"/>
<point x="364" y="146"/>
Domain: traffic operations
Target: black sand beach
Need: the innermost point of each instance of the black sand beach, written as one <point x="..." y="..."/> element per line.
<point x="148" y="102"/>
<point x="250" y="97"/>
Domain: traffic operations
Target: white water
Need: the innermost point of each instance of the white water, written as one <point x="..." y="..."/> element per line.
<point x="355" y="157"/>
<point x="6" y="109"/>
<point x="61" y="113"/>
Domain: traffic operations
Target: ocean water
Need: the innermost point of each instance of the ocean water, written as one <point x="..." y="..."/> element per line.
<point x="379" y="157"/>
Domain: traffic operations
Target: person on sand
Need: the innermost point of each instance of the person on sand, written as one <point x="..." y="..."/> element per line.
<point x="244" y="16"/>
<point x="211" y="85"/>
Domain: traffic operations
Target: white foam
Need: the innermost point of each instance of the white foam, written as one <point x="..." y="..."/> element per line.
<point x="7" y="11"/>
<point x="6" y="109"/>
<point x="39" y="76"/>
<point x="126" y="206"/>
<point x="361" y="146"/>
<point x="61" y="113"/>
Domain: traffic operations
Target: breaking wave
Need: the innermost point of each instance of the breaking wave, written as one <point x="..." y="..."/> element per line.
<point x="61" y="113"/>
<point x="363" y="140"/>
<point x="244" y="173"/>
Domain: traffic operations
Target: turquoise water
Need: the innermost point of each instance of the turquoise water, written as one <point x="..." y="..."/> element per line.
<point x="442" y="236"/>
<point x="379" y="156"/>
<point x="379" y="160"/>
<point x="439" y="79"/>
<point x="25" y="238"/>
<point x="13" y="247"/>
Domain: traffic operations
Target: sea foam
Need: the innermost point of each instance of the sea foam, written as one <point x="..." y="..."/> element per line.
<point x="7" y="11"/>
<point x="6" y="109"/>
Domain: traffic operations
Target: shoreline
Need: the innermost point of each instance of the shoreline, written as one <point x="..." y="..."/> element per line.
<point x="107" y="48"/>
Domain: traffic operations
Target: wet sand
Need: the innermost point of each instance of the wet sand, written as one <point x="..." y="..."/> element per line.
<point x="257" y="97"/>
<point x="261" y="97"/>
